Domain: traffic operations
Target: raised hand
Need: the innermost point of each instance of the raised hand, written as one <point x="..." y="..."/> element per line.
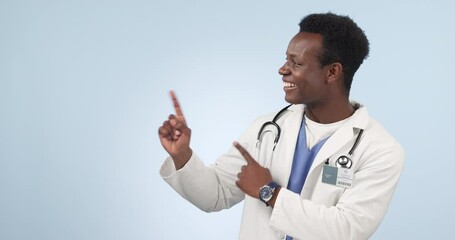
<point x="175" y="135"/>
<point x="252" y="176"/>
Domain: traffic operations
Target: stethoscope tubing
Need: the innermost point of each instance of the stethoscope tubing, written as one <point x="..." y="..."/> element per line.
<point x="273" y="123"/>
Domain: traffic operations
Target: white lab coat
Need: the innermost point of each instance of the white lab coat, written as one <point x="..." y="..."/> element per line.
<point x="321" y="211"/>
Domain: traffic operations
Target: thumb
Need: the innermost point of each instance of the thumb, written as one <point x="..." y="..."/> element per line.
<point x="179" y="125"/>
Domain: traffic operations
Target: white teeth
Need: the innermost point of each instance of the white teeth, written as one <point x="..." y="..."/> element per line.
<point x="288" y="85"/>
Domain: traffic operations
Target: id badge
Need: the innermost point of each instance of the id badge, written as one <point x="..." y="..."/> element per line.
<point x="341" y="177"/>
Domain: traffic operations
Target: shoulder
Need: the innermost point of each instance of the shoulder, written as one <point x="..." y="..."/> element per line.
<point x="373" y="131"/>
<point x="381" y="146"/>
<point x="381" y="136"/>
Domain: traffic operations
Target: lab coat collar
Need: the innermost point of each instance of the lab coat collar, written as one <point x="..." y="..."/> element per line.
<point x="359" y="120"/>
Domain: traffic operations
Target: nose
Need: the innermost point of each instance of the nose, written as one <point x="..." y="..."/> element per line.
<point x="284" y="70"/>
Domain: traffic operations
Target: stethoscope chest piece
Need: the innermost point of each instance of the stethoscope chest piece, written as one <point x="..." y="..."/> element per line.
<point x="344" y="162"/>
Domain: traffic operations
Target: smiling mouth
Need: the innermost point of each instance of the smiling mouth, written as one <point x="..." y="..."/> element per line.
<point x="288" y="85"/>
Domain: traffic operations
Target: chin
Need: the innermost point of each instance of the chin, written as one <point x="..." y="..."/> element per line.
<point x="292" y="100"/>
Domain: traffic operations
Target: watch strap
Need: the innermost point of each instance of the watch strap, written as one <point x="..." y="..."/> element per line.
<point x="273" y="184"/>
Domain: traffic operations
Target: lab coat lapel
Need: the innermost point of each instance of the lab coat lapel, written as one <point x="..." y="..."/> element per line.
<point x="333" y="144"/>
<point x="340" y="138"/>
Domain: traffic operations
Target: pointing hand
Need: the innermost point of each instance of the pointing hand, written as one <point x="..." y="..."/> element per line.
<point x="175" y="135"/>
<point x="252" y="176"/>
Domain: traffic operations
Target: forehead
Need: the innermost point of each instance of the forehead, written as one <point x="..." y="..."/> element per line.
<point x="305" y="43"/>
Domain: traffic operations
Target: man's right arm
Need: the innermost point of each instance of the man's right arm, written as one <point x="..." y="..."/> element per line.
<point x="209" y="188"/>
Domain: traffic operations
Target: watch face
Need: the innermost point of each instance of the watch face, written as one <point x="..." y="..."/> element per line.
<point x="266" y="193"/>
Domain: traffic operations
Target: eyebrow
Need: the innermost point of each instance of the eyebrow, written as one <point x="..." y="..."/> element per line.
<point x="294" y="56"/>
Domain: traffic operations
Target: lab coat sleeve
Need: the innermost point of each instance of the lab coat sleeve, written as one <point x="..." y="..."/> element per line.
<point x="203" y="186"/>
<point x="210" y="188"/>
<point x="359" y="210"/>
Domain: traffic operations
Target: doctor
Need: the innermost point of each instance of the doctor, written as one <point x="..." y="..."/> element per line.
<point x="334" y="169"/>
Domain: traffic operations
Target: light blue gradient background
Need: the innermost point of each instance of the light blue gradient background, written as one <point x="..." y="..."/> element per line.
<point x="84" y="87"/>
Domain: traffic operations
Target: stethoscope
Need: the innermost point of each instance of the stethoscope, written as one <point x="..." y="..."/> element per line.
<point x="344" y="161"/>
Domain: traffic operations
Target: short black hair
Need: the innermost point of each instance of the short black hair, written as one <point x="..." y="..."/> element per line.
<point x="343" y="42"/>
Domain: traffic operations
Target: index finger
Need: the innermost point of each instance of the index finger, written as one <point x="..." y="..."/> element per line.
<point x="178" y="109"/>
<point x="249" y="159"/>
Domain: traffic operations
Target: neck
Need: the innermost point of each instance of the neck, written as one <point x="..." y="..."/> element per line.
<point x="330" y="112"/>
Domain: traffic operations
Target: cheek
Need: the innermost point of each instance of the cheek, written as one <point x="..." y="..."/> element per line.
<point x="300" y="78"/>
<point x="314" y="79"/>
<point x="304" y="81"/>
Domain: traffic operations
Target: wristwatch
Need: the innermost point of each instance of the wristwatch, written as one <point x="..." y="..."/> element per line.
<point x="266" y="192"/>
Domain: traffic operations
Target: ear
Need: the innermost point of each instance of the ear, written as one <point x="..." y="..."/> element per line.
<point x="334" y="72"/>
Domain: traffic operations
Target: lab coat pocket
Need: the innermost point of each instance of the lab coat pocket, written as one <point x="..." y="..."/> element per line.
<point x="327" y="194"/>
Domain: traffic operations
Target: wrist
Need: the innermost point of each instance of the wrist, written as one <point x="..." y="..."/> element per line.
<point x="272" y="201"/>
<point x="268" y="192"/>
<point x="181" y="159"/>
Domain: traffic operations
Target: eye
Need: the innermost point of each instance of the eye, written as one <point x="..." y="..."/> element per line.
<point x="293" y="63"/>
<point x="296" y="64"/>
